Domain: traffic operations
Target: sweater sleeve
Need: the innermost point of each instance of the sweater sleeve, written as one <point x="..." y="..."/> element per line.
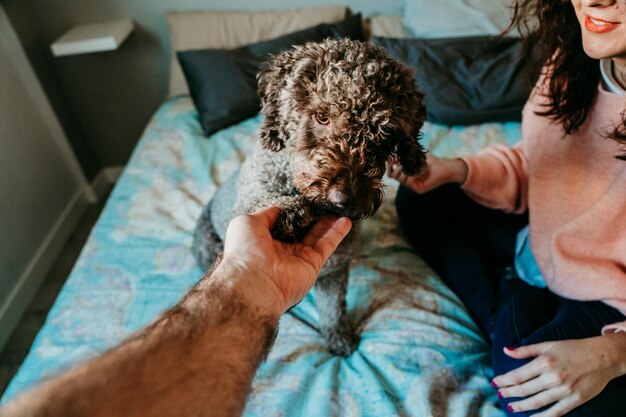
<point x="498" y="178"/>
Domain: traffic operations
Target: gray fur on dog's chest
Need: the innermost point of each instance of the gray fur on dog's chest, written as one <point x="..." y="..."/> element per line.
<point x="264" y="180"/>
<point x="265" y="174"/>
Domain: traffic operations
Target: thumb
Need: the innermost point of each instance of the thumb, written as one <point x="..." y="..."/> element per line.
<point x="524" y="352"/>
<point x="327" y="234"/>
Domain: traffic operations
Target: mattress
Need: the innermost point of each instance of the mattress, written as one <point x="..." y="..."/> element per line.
<point x="420" y="353"/>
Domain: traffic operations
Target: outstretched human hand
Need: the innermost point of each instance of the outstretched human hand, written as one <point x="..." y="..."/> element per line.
<point x="282" y="272"/>
<point x="208" y="345"/>
<point x="565" y="373"/>
<point x="438" y="171"/>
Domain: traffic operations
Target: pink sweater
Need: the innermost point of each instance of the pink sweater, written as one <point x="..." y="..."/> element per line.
<point x="575" y="193"/>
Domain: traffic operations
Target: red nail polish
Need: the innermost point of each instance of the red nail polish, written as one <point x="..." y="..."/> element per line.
<point x="508" y="407"/>
<point x="510" y="348"/>
<point x="493" y="384"/>
<point x="499" y="394"/>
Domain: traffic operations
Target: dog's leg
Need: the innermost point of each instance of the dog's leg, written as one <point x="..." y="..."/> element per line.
<point x="330" y="298"/>
<point x="335" y="326"/>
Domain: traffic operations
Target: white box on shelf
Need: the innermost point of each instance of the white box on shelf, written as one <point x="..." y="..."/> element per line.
<point x="95" y="37"/>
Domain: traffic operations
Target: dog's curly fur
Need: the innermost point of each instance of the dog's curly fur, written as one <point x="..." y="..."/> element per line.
<point x="334" y="112"/>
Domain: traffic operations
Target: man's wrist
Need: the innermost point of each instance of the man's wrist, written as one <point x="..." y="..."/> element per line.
<point x="256" y="290"/>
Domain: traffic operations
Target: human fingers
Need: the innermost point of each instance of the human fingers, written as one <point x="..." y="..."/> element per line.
<point x="528" y="351"/>
<point x="410" y="182"/>
<point x="541" y="383"/>
<point x="541" y="399"/>
<point x="326" y="234"/>
<point x="399" y="174"/>
<point x="390" y="165"/>
<point x="392" y="160"/>
<point x="522" y="374"/>
<point x="562" y="407"/>
<point x="394" y="170"/>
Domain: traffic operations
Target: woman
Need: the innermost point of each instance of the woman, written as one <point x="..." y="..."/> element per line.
<point x="544" y="274"/>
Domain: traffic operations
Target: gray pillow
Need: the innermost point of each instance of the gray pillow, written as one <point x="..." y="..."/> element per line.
<point x="222" y="82"/>
<point x="468" y="80"/>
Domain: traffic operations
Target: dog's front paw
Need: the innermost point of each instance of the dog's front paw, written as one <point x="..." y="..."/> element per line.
<point x="284" y="232"/>
<point x="284" y="229"/>
<point x="292" y="224"/>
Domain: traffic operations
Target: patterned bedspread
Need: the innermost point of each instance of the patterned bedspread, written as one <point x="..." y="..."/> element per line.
<point x="420" y="353"/>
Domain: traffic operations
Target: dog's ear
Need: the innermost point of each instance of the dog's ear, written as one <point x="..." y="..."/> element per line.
<point x="271" y="80"/>
<point x="283" y="83"/>
<point x="411" y="154"/>
<point x="409" y="119"/>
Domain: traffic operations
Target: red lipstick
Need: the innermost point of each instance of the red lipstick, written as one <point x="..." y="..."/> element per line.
<point x="596" y="25"/>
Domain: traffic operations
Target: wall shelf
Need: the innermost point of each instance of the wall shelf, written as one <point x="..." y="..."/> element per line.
<point x="97" y="37"/>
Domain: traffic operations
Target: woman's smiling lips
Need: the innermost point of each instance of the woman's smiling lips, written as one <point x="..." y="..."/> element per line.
<point x="596" y="25"/>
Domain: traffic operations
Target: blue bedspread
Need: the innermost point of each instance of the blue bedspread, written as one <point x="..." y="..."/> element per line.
<point x="420" y="353"/>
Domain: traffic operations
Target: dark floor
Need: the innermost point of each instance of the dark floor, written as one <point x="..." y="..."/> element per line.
<point x="20" y="341"/>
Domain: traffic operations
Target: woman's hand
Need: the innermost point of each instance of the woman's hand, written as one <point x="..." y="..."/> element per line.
<point x="565" y="373"/>
<point x="438" y="171"/>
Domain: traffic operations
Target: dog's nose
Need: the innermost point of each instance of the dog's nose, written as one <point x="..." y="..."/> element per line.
<point x="337" y="197"/>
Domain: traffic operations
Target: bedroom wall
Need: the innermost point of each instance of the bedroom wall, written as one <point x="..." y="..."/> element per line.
<point x="43" y="190"/>
<point x="104" y="100"/>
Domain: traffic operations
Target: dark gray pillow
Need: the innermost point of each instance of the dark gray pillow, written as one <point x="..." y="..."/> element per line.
<point x="222" y="83"/>
<point x="468" y="80"/>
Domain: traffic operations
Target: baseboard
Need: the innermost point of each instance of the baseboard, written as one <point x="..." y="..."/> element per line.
<point x="104" y="180"/>
<point x="21" y="295"/>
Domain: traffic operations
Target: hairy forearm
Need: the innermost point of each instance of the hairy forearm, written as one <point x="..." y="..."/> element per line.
<point x="197" y="359"/>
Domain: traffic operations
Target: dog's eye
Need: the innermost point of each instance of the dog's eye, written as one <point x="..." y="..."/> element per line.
<point x="321" y="118"/>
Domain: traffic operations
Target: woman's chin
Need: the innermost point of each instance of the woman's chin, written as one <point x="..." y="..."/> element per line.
<point x="598" y="49"/>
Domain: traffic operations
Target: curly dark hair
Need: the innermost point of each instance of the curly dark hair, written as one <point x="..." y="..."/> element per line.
<point x="341" y="108"/>
<point x="551" y="29"/>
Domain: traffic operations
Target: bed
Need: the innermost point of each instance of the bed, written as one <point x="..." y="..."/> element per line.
<point x="420" y="353"/>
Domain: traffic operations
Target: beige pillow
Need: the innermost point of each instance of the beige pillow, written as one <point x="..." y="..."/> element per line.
<point x="387" y="26"/>
<point x="226" y="30"/>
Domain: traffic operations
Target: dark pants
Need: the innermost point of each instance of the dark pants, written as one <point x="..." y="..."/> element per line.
<point x="471" y="248"/>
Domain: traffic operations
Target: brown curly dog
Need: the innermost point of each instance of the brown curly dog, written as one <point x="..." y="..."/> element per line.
<point x="334" y="112"/>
